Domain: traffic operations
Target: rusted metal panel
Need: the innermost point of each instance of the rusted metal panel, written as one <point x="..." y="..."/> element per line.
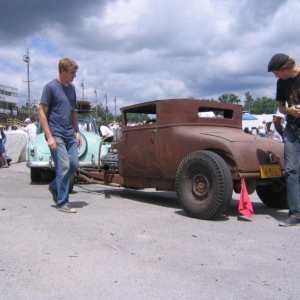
<point x="156" y="150"/>
<point x="149" y="155"/>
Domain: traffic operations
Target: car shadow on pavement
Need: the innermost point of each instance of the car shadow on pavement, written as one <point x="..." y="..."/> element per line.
<point x="169" y="199"/>
<point x="232" y="211"/>
<point x="259" y="208"/>
<point x="160" y="198"/>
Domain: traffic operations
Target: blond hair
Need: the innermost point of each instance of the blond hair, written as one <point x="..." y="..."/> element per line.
<point x="289" y="64"/>
<point x="67" y="64"/>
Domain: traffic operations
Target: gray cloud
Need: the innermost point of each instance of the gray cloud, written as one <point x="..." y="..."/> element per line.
<point x="144" y="50"/>
<point x="19" y="18"/>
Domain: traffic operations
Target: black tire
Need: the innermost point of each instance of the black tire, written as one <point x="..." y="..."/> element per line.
<point x="35" y="174"/>
<point x="273" y="196"/>
<point x="71" y="183"/>
<point x="204" y="185"/>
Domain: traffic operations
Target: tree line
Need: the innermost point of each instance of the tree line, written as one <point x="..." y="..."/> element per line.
<point x="256" y="106"/>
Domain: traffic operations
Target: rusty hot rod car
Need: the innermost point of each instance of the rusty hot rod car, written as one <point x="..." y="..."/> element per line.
<point x="196" y="148"/>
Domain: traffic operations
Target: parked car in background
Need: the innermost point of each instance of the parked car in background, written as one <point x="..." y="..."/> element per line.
<point x="39" y="158"/>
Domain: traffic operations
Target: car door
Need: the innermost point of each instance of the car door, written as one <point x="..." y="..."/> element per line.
<point x="140" y="155"/>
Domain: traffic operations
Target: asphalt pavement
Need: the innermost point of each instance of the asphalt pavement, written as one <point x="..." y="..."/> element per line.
<point x="138" y="244"/>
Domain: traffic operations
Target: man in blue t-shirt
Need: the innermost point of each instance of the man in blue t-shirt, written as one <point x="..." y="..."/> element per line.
<point x="288" y="97"/>
<point x="57" y="114"/>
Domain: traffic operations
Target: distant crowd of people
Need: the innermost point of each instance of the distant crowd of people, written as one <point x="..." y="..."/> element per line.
<point x="110" y="132"/>
<point x="28" y="125"/>
<point x="272" y="131"/>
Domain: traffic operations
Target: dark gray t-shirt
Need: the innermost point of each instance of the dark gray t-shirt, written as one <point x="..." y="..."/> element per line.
<point x="61" y="101"/>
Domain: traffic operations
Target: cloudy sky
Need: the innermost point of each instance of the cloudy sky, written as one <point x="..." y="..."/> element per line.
<point x="142" y="50"/>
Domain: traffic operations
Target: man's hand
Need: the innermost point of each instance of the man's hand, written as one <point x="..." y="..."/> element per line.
<point x="51" y="143"/>
<point x="79" y="140"/>
<point x="294" y="111"/>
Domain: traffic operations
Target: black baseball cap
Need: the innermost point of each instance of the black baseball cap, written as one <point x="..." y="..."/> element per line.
<point x="277" y="61"/>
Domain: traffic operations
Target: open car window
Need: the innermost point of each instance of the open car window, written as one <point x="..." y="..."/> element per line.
<point x="142" y="115"/>
<point x="207" y="112"/>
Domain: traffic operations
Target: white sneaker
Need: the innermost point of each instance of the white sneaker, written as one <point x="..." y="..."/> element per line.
<point x="67" y="209"/>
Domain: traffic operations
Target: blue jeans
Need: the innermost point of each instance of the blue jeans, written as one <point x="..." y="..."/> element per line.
<point x="3" y="145"/>
<point x="65" y="158"/>
<point x="292" y="174"/>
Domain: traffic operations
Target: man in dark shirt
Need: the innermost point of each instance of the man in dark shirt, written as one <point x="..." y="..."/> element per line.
<point x="288" y="92"/>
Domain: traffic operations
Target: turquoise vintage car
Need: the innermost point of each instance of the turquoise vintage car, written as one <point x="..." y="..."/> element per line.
<point x="39" y="157"/>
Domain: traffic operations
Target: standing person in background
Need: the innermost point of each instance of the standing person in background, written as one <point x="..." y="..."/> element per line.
<point x="30" y="129"/>
<point x="107" y="133"/>
<point x="280" y="123"/>
<point x="98" y="122"/>
<point x="274" y="134"/>
<point x="263" y="129"/>
<point x="57" y="114"/>
<point x="3" y="156"/>
<point x="288" y="93"/>
<point x="3" y="141"/>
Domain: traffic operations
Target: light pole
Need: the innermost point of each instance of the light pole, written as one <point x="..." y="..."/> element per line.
<point x="27" y="59"/>
<point x="82" y="86"/>
<point x="106" y="108"/>
<point x="115" y="107"/>
<point x="95" y="91"/>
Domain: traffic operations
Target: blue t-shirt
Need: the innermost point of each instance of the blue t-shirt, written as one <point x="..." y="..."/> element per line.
<point x="61" y="101"/>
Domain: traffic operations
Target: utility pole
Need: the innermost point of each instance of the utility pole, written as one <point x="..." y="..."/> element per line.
<point x="82" y="86"/>
<point x="33" y="106"/>
<point x="96" y="101"/>
<point x="115" y="107"/>
<point x="106" y="110"/>
<point x="27" y="59"/>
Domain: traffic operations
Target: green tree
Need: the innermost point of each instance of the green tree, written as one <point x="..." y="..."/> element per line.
<point x="224" y="98"/>
<point x="249" y="100"/>
<point x="229" y="98"/>
<point x="100" y="112"/>
<point x="264" y="105"/>
<point x="136" y="117"/>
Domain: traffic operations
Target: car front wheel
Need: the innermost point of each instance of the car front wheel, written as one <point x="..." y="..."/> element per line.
<point x="204" y="185"/>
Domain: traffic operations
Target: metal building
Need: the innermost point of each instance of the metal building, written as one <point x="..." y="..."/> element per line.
<point x="8" y="100"/>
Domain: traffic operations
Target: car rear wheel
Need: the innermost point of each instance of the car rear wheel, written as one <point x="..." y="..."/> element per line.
<point x="35" y="174"/>
<point x="204" y="185"/>
<point x="273" y="196"/>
